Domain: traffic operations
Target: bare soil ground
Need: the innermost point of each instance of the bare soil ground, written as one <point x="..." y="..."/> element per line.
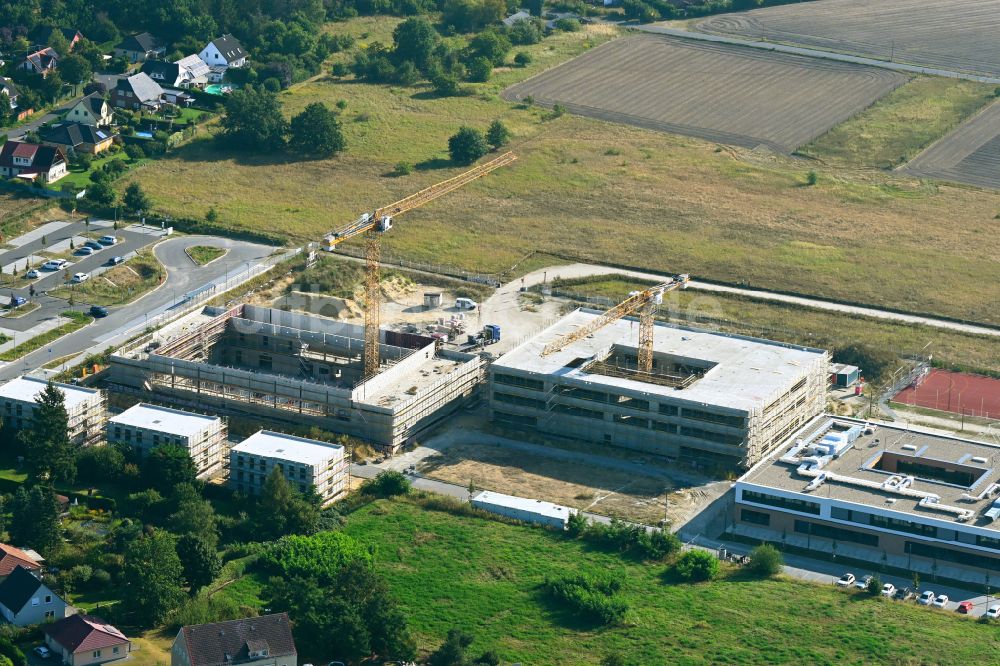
<point x="717" y="92"/>
<point x="962" y="35"/>
<point x="970" y="154"/>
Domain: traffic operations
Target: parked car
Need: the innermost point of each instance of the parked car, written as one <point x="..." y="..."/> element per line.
<point x="32" y="274"/>
<point x="98" y="311"/>
<point x="964" y="607"/>
<point x="903" y="593"/>
<point x="846" y="580"/>
<point x="17" y="301"/>
<point x="114" y="261"/>
<point x="84" y="251"/>
<point x="43" y="652"/>
<point x="940" y="601"/>
<point x="927" y="598"/>
<point x="993" y="612"/>
<point x="80" y="277"/>
<point x="54" y="264"/>
<point x="466" y="304"/>
<point x="94" y="245"/>
<point x="888" y="590"/>
<point x="107" y="240"/>
<point x="862" y="584"/>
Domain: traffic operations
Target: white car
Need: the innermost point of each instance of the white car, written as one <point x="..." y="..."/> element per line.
<point x="80" y="277"/>
<point x="54" y="264"/>
<point x="993" y="612"/>
<point x="107" y="240"/>
<point x="940" y="601"/>
<point x="846" y="580"/>
<point x="863" y="583"/>
<point x="43" y="652"/>
<point x="888" y="590"/>
<point x="926" y="599"/>
<point x="32" y="274"/>
<point x="466" y="304"/>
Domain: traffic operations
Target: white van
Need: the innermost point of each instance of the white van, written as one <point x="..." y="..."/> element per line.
<point x="54" y="264"/>
<point x="466" y="304"/>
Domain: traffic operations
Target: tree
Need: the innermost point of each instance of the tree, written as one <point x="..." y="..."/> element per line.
<point x="415" y="40"/>
<point x="316" y="131"/>
<point x="452" y="651"/>
<point x="35" y="518"/>
<point x="387" y="484"/>
<point x="497" y="135"/>
<point x="445" y="85"/>
<point x="101" y="193"/>
<point x="167" y="467"/>
<point x="522" y="58"/>
<point x="194" y="516"/>
<point x="874" y="586"/>
<point x="152" y="578"/>
<point x="766" y="560"/>
<point x="75" y="69"/>
<point x="492" y="45"/>
<point x="199" y="561"/>
<point x="467" y="145"/>
<point x="48" y="453"/>
<point x="280" y="511"/>
<point x="135" y="199"/>
<point x="253" y="120"/>
<point x="480" y="69"/>
<point x="875" y="364"/>
<point x="697" y="565"/>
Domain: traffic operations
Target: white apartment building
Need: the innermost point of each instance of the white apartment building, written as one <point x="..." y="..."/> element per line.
<point x="84" y="406"/>
<point x="303" y="462"/>
<point x="146" y="427"/>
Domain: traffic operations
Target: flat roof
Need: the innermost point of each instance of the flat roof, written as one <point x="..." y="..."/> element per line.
<point x="288" y="447"/>
<point x="26" y="389"/>
<point x="164" y="419"/>
<point x="539" y="507"/>
<point x="746" y="373"/>
<point x="960" y="473"/>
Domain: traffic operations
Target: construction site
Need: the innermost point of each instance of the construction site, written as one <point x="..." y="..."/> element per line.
<point x="303" y="370"/>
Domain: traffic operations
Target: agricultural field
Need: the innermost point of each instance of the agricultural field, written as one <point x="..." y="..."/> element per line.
<point x="970" y="154"/>
<point x="584" y="189"/>
<point x="485" y="577"/>
<point x="962" y="35"/>
<point x="716" y="92"/>
<point x="897" y="127"/>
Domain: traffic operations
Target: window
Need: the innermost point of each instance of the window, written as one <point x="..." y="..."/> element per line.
<point x="514" y="419"/>
<point x="664" y="427"/>
<point x="835" y="533"/>
<point x="949" y="555"/>
<point x="668" y="410"/>
<point x="48" y="598"/>
<point x="523" y="382"/>
<point x="711" y="417"/>
<point x="801" y="506"/>
<point x="632" y="421"/>
<point x="34" y="601"/>
<point x="264" y="362"/>
<point x="519" y="400"/>
<point x="902" y="526"/>
<point x="115" y="650"/>
<point x="582" y="394"/>
<point x="49" y="615"/>
<point x="709" y="436"/>
<point x="578" y="411"/>
<point x="95" y="654"/>
<point x="755" y="517"/>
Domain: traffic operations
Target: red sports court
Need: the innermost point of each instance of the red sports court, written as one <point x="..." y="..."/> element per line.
<point x="972" y="395"/>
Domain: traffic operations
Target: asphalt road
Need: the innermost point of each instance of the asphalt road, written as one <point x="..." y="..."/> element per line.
<point x="109" y="80"/>
<point x="183" y="276"/>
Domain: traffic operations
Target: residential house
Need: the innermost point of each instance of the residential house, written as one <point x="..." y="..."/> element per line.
<point x="31" y="160"/>
<point x="221" y="54"/>
<point x="92" y="110"/>
<point x="137" y="92"/>
<point x="147" y="427"/>
<point x="11" y="558"/>
<point x="261" y="641"/>
<point x="26" y="600"/>
<point x="83" y="640"/>
<point x="78" y="137"/>
<point x="42" y="35"/>
<point x="194" y="72"/>
<point x="163" y="72"/>
<point x="140" y="48"/>
<point x="41" y="61"/>
<point x="8" y="88"/>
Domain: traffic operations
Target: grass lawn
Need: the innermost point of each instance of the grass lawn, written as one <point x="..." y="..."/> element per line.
<point x="897" y="127"/>
<point x="77" y="320"/>
<point x="121" y="284"/>
<point x="602" y="192"/>
<point x="204" y="254"/>
<point x="80" y="178"/>
<point x="789" y="323"/>
<point x="485" y="577"/>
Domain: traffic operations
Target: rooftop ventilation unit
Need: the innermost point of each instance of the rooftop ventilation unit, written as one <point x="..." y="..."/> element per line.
<point x="979" y="459"/>
<point x="908" y="447"/>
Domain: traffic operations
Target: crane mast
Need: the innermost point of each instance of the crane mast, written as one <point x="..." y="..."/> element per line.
<point x="642" y="302"/>
<point x="373" y="225"/>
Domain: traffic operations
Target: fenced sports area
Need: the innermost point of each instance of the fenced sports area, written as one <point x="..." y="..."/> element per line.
<point x="956" y="392"/>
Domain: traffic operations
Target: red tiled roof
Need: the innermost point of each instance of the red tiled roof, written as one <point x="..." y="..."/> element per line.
<point x="11" y="557"/>
<point x="83" y="633"/>
<point x="229" y="643"/>
<point x="25" y="150"/>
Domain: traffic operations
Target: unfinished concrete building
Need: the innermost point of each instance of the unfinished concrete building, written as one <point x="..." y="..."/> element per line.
<point x="304" y="370"/>
<point x="714" y="399"/>
<point x="85" y="408"/>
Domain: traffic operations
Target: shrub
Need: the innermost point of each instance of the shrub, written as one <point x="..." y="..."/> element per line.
<point x="697" y="565"/>
<point x="874" y="587"/>
<point x="567" y="25"/>
<point x="340" y="69"/>
<point x="403" y="169"/>
<point x="320" y="556"/>
<point x="467" y="145"/>
<point x="632" y="539"/>
<point x="811" y="178"/>
<point x="134" y="151"/>
<point x="12" y="652"/>
<point x="445" y="85"/>
<point x="480" y="70"/>
<point x="765" y="560"/>
<point x="522" y="59"/>
<point x="387" y="484"/>
<point x="590" y="596"/>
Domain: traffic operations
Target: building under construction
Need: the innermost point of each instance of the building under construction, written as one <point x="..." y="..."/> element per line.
<point x="305" y="370"/>
<point x="718" y="400"/>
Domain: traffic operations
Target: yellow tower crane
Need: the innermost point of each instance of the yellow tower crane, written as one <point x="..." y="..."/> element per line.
<point x="644" y="302"/>
<point x="374" y="224"/>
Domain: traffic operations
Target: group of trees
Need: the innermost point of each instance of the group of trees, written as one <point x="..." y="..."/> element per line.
<point x="469" y="144"/>
<point x="254" y="120"/>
